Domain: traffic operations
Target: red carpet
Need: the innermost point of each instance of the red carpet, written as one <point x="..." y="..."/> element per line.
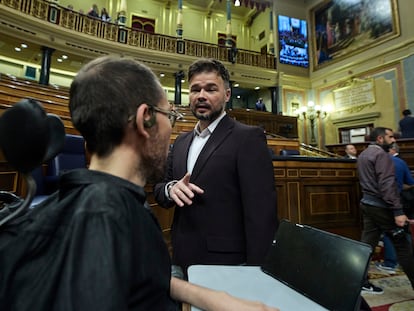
<point x="398" y="294"/>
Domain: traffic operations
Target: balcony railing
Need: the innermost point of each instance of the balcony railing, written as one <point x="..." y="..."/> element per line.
<point x="75" y="21"/>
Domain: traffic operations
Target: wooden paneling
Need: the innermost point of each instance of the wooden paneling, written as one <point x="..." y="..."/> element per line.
<point x="10" y="179"/>
<point x="285" y="126"/>
<point x="406" y="150"/>
<point x="320" y="192"/>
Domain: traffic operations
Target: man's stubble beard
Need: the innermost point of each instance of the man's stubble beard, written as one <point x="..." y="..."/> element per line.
<point x="209" y="116"/>
<point x="153" y="163"/>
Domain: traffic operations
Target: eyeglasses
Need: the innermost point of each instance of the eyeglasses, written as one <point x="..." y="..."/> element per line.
<point x="171" y="114"/>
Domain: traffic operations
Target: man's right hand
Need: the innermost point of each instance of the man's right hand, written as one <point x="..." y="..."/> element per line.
<point x="401" y="220"/>
<point x="183" y="191"/>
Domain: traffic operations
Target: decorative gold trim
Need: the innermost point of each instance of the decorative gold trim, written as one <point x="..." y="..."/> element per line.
<point x="346" y="46"/>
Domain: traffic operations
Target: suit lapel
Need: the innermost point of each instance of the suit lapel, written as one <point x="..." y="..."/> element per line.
<point x="183" y="148"/>
<point x="220" y="133"/>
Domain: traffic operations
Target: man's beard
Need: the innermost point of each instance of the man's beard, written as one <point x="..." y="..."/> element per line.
<point x="153" y="163"/>
<point x="153" y="169"/>
<point x="207" y="116"/>
<point x="386" y="147"/>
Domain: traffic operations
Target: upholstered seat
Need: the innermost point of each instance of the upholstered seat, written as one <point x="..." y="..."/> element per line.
<point x="40" y="180"/>
<point x="71" y="157"/>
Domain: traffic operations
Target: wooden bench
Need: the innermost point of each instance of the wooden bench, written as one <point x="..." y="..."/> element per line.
<point x="25" y="92"/>
<point x="67" y="122"/>
<point x="35" y="86"/>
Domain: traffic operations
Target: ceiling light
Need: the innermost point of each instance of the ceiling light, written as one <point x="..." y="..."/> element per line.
<point x="60" y="60"/>
<point x="236" y="85"/>
<point x="64" y="57"/>
<point x="257" y="88"/>
<point x="238" y="96"/>
<point x="182" y="81"/>
<point x="237" y="3"/>
<point x="17" y="49"/>
<point x="23" y="46"/>
<point x="162" y="75"/>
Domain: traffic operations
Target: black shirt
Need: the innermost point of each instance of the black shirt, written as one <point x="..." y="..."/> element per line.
<point x="91" y="246"/>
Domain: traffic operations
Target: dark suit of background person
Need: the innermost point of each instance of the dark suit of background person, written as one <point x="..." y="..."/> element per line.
<point x="234" y="220"/>
<point x="260" y="105"/>
<point x="406" y="125"/>
<point x="404" y="181"/>
<point x="381" y="207"/>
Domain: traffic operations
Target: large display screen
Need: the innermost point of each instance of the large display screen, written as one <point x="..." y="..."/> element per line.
<point x="293" y="41"/>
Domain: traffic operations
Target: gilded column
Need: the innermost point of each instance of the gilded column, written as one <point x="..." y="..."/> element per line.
<point x="228" y="25"/>
<point x="271" y="39"/>
<point x="180" y="41"/>
<point x="180" y="20"/>
<point x="122" y="17"/>
<point x="231" y="47"/>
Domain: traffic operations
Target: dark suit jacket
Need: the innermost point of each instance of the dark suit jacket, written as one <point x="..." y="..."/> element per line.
<point x="235" y="220"/>
<point x="406" y="126"/>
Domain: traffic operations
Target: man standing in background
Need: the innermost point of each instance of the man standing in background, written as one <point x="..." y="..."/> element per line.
<point x="381" y="207"/>
<point x="260" y="105"/>
<point x="406" y="124"/>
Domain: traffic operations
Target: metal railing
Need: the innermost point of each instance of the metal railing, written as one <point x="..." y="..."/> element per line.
<point x="75" y="21"/>
<point x="316" y="152"/>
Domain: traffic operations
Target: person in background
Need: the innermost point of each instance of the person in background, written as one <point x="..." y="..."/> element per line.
<point x="93" y="245"/>
<point x="381" y="208"/>
<point x="350" y="152"/>
<point x="105" y="15"/>
<point x="94" y="11"/>
<point x="405" y="181"/>
<point x="406" y="124"/>
<point x="220" y="180"/>
<point x="260" y="105"/>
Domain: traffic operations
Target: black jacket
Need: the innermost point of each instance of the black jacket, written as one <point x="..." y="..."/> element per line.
<point x="90" y="246"/>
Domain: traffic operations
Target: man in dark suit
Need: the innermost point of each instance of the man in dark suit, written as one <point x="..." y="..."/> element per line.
<point x="406" y="125"/>
<point x="220" y="177"/>
<point x="260" y="105"/>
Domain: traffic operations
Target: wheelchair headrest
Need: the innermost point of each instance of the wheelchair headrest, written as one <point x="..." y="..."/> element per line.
<point x="29" y="136"/>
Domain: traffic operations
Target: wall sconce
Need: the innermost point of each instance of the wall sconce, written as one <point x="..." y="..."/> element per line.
<point x="312" y="113"/>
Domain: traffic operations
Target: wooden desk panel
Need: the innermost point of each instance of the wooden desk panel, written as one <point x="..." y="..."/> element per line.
<point x="322" y="193"/>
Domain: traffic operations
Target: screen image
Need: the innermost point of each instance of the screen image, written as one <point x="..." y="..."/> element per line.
<point x="293" y="41"/>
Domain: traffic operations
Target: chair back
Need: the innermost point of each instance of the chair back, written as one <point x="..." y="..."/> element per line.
<point x="71" y="157"/>
<point x="41" y="186"/>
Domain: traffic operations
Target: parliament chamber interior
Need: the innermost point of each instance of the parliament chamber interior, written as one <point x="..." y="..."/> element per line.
<point x="324" y="86"/>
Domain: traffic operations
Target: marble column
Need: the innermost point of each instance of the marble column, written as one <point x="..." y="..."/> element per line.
<point x="122" y="17"/>
<point x="274" y="95"/>
<point x="46" y="62"/>
<point x="229" y="43"/>
<point x="177" y="95"/>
